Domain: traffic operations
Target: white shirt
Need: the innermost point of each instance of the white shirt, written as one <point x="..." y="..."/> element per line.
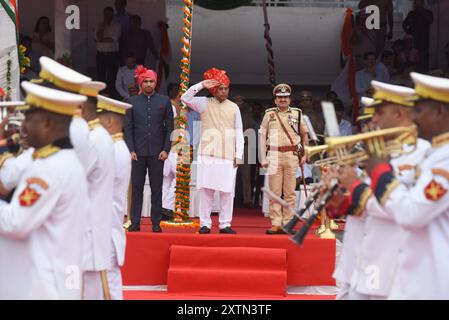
<point x="79" y="136"/>
<point x="100" y="178"/>
<point x="41" y="239"/>
<point x="112" y="31"/>
<point x="13" y="168"/>
<point x="215" y="173"/>
<point x="121" y="185"/>
<point x="124" y="79"/>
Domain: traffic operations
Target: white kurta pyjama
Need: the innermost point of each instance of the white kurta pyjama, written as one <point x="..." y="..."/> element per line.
<point x="213" y="173"/>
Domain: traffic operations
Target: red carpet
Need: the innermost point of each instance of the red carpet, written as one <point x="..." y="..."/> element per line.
<point x="160" y="295"/>
<point x="148" y="254"/>
<point x="227" y="271"/>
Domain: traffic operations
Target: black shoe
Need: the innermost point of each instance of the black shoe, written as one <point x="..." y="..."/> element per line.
<point x="275" y="230"/>
<point x="204" y="230"/>
<point x="157" y="228"/>
<point x="133" y="227"/>
<point x="166" y="214"/>
<point x="227" y="230"/>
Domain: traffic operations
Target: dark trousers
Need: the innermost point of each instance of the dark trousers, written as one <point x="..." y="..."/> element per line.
<point x="107" y="67"/>
<point x="139" y="169"/>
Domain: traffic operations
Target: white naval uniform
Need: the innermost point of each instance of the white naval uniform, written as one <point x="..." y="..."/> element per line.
<point x="13" y="168"/>
<point x="423" y="261"/>
<point x="100" y="178"/>
<point x="121" y="183"/>
<point x="348" y="257"/>
<point x="41" y="239"/>
<point x="213" y="173"/>
<point x="377" y="262"/>
<point x="169" y="180"/>
<point x="79" y="136"/>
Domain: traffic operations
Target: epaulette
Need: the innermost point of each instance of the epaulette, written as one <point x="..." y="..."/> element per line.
<point x="45" y="152"/>
<point x="5" y="156"/>
<point x="270" y="109"/>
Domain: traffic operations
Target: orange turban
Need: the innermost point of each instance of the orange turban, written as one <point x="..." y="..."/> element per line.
<point x="143" y="73"/>
<point x="218" y="75"/>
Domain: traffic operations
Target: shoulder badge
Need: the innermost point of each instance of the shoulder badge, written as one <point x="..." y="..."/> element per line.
<point x="270" y="109"/>
<point x="30" y="195"/>
<point x="434" y="191"/>
<point x="441" y="172"/>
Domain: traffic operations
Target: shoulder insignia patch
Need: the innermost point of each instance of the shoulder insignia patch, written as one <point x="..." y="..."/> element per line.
<point x="434" y="191"/>
<point x="270" y="109"/>
<point x="441" y="172"/>
<point x="30" y="195"/>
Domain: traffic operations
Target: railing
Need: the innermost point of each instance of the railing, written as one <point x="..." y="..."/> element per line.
<point x="353" y="4"/>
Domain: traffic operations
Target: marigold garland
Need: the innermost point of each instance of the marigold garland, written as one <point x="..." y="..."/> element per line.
<point x="182" y="200"/>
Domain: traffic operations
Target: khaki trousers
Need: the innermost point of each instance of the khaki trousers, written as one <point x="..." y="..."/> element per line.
<point x="282" y="181"/>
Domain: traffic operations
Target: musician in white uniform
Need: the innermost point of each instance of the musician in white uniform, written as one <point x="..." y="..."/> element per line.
<point x="42" y="228"/>
<point x="423" y="209"/>
<point x="111" y="115"/>
<point x="99" y="172"/>
<point x="100" y="178"/>
<point x="377" y="263"/>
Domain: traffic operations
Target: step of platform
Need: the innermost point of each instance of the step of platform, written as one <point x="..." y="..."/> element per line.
<point x="227" y="271"/>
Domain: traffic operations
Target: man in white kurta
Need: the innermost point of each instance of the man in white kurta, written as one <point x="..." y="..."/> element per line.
<point x="169" y="180"/>
<point x="220" y="149"/>
<point x="42" y="228"/>
<point x="112" y="114"/>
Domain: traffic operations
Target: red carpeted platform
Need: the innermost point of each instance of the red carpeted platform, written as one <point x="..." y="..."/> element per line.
<point x="161" y="295"/>
<point x="147" y="259"/>
<point x="227" y="271"/>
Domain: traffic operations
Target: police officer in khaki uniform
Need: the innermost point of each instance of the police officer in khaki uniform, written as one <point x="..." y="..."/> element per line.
<point x="283" y="134"/>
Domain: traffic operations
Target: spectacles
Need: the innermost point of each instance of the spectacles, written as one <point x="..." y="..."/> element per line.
<point x="305" y="98"/>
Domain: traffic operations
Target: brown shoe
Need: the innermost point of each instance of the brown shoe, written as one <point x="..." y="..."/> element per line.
<point x="275" y="230"/>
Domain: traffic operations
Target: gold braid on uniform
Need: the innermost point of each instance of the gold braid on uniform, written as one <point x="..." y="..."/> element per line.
<point x="358" y="198"/>
<point x="383" y="181"/>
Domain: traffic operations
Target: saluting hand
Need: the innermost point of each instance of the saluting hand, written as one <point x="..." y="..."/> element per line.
<point x="163" y="156"/>
<point x="210" y="83"/>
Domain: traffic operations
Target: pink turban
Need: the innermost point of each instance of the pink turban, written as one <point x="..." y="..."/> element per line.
<point x="218" y="75"/>
<point x="143" y="73"/>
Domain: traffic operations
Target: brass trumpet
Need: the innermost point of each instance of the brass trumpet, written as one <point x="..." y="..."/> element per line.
<point x="374" y="142"/>
<point x="321" y="150"/>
